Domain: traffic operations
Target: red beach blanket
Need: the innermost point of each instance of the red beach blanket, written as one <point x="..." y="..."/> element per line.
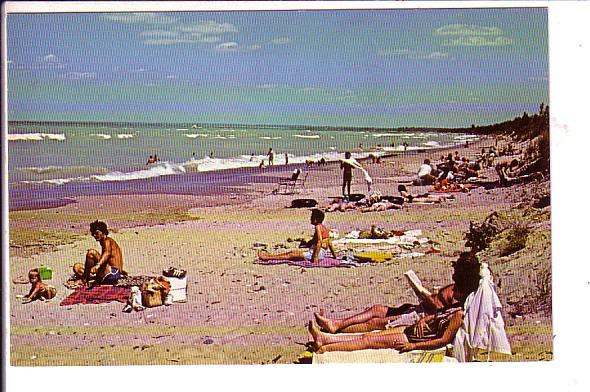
<point x="97" y="295"/>
<point x="327" y="262"/>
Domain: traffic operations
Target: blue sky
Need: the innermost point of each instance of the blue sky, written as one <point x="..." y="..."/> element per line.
<point x="359" y="68"/>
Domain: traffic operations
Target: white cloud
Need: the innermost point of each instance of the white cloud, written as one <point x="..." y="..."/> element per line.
<point x="281" y="41"/>
<point x="472" y="35"/>
<point x="79" y="75"/>
<point x="209" y="27"/>
<point x="478" y="41"/>
<point x="50" y="58"/>
<point x="468" y="30"/>
<point x="234" y="47"/>
<point x="413" y="55"/>
<point x="141" y="18"/>
<point x="228" y="47"/>
<point x="196" y="33"/>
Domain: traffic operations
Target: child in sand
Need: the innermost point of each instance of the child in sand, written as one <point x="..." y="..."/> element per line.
<point x="39" y="290"/>
<point x="318" y="246"/>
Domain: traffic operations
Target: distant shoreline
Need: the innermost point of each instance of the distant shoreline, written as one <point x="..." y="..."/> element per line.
<point x="197" y="125"/>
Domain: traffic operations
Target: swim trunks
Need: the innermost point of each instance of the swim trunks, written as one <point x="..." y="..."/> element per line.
<point x="309" y="253"/>
<point x="112" y="277"/>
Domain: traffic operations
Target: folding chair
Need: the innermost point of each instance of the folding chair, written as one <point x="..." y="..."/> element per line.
<point x="289" y="182"/>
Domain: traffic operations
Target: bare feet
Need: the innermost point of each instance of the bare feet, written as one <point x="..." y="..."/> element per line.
<point x="316" y="335"/>
<point x="325" y="323"/>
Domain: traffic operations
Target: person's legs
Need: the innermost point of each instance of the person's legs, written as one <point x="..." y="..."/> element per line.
<point x="293" y="255"/>
<point x="92" y="258"/>
<point x="333" y="326"/>
<point x="325" y="342"/>
<point x="374" y="324"/>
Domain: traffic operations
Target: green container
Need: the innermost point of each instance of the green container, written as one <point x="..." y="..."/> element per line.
<point x="45" y="273"/>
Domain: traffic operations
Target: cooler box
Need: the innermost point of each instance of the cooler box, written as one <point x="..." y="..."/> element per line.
<point x="177" y="289"/>
<point x="45" y="273"/>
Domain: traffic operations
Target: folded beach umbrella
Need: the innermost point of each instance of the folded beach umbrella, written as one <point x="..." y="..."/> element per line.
<point x="483" y="325"/>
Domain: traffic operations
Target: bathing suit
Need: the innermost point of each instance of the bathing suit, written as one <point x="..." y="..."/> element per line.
<point x="309" y="253"/>
<point x="112" y="277"/>
<point x="436" y="327"/>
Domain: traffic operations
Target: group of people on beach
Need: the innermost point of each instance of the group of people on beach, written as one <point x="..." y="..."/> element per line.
<point x="430" y="324"/>
<point x="99" y="268"/>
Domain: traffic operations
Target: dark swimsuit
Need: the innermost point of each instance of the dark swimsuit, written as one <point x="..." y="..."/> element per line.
<point x="112" y="277"/>
<point x="436" y="327"/>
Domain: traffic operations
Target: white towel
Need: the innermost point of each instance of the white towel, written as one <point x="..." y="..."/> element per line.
<point x="483" y="325"/>
<point x="354" y="163"/>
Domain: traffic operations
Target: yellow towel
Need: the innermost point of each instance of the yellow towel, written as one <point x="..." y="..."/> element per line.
<point x="372" y="257"/>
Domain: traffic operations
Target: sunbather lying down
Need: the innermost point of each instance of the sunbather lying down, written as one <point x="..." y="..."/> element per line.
<point x="432" y="331"/>
<point x="422" y="198"/>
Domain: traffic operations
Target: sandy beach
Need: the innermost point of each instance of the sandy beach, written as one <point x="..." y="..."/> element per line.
<point x="239" y="312"/>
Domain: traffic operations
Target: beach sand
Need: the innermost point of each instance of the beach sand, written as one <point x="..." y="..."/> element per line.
<point x="239" y="312"/>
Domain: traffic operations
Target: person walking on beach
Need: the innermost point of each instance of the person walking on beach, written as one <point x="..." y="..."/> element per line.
<point x="107" y="266"/>
<point x="286" y="159"/>
<point x="271" y="157"/>
<point x="346" y="174"/>
<point x="318" y="246"/>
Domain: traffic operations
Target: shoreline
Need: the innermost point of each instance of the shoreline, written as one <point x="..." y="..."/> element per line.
<point x="27" y="197"/>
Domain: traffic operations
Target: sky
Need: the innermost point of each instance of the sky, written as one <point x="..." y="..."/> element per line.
<point x="377" y="68"/>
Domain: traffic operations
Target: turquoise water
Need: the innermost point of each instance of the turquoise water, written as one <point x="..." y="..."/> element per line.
<point x="56" y="154"/>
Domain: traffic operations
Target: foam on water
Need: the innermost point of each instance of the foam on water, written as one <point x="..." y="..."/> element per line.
<point x="125" y="136"/>
<point x="35" y="136"/>
<point x="307" y="136"/>
<point x="157" y="170"/>
<point x="195" y="135"/>
<point x="101" y="135"/>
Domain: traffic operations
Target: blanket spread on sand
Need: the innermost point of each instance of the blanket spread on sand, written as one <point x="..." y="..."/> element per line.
<point x="96" y="295"/>
<point x="327" y="262"/>
<point x="125" y="281"/>
<point x="381" y="356"/>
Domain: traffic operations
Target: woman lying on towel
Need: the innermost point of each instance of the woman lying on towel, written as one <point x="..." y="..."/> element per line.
<point x="423" y="198"/>
<point x="318" y="246"/>
<point x="380" y="317"/>
<point x="430" y="332"/>
<point x="340" y="204"/>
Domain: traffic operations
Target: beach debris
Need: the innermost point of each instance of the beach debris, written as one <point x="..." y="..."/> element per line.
<point x="259" y="245"/>
<point x="208" y="341"/>
<point x="275" y="359"/>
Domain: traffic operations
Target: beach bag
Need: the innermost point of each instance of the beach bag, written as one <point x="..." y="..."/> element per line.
<point x="154" y="292"/>
<point x="393" y="199"/>
<point x="303" y="203"/>
<point x="356" y="197"/>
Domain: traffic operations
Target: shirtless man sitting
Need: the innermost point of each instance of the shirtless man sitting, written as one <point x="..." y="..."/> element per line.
<point x="107" y="266"/>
